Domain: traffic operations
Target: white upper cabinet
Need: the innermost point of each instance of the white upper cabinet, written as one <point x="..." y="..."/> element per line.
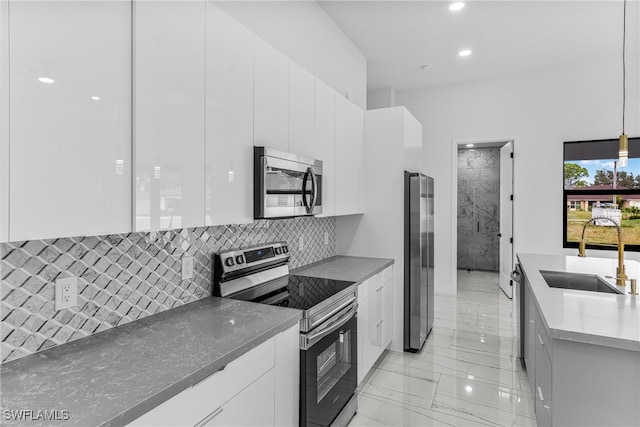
<point x="4" y="121"/>
<point x="169" y="91"/>
<point x="229" y="120"/>
<point x="324" y="140"/>
<point x="70" y="82"/>
<point x="349" y="126"/>
<point x="301" y="112"/>
<point x="271" y="97"/>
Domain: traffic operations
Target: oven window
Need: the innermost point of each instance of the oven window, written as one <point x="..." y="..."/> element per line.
<point x="333" y="363"/>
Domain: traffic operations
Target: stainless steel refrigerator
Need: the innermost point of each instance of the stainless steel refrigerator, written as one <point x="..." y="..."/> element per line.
<point x="418" y="259"/>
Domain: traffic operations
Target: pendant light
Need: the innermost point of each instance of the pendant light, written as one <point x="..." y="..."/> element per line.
<point x="623" y="145"/>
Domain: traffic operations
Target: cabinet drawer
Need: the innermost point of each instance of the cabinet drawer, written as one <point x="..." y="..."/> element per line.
<point x="250" y="407"/>
<point x="387" y="274"/>
<point x="198" y="401"/>
<point x="370" y="286"/>
<point x="542" y="381"/>
<point x="542" y="337"/>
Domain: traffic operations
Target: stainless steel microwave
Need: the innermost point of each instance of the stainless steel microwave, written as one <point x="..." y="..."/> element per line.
<point x="285" y="184"/>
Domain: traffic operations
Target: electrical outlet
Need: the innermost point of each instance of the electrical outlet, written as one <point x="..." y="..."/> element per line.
<point x="326" y="238"/>
<point x="301" y="243"/>
<point x="187" y="267"/>
<point x="66" y="293"/>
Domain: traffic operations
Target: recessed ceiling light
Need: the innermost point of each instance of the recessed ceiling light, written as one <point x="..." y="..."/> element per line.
<point x="454" y="7"/>
<point x="46" y="80"/>
<point x="465" y="52"/>
<point x="95" y="98"/>
<point x="425" y="67"/>
<point x="469" y="145"/>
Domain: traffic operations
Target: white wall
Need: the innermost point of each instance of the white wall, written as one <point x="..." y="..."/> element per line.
<point x="304" y="32"/>
<point x="540" y="110"/>
<point x="381" y="98"/>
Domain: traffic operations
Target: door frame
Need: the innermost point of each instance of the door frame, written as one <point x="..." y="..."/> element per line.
<point x="478" y="143"/>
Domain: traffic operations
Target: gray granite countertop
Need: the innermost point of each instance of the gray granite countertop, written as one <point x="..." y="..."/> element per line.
<point x="355" y="269"/>
<point x="113" y="377"/>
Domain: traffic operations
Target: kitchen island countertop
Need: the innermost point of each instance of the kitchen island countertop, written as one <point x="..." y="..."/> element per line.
<point x="589" y="317"/>
<point x="113" y="377"/>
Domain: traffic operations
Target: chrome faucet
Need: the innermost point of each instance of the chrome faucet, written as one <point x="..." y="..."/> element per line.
<point x="621" y="276"/>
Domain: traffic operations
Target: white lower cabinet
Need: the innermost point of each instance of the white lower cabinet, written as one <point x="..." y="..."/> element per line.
<point x="236" y="411"/>
<point x="374" y="320"/>
<point x="244" y="393"/>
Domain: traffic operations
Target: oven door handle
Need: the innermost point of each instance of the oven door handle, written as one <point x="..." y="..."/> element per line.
<point x="307" y="341"/>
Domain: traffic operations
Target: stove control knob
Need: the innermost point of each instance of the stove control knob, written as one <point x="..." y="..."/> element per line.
<point x="285" y="249"/>
<point x="229" y="262"/>
<point x="278" y="251"/>
<point x="240" y="259"/>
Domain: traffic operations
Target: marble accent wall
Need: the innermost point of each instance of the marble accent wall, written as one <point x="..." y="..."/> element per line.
<point x="479" y="209"/>
<point x="125" y="277"/>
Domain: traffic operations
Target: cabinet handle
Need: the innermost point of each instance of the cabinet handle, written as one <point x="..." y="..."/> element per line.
<point x="380" y="322"/>
<point x="209" y="376"/>
<point x="210" y="417"/>
<point x="380" y="288"/>
<point x="540" y="339"/>
<point x="540" y="394"/>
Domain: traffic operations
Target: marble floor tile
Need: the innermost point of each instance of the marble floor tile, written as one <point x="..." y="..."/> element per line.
<point x="485" y="342"/>
<point x="491" y="396"/>
<point x="402" y="386"/>
<point x="373" y="411"/>
<point x="467" y="373"/>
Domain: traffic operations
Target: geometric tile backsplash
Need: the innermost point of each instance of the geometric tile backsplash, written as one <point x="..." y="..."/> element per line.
<point x="124" y="277"/>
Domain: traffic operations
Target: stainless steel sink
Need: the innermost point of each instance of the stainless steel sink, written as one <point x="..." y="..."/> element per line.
<point x="581" y="282"/>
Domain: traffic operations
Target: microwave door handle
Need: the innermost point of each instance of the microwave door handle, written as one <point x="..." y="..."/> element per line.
<point x="314" y="189"/>
<point x="307" y="205"/>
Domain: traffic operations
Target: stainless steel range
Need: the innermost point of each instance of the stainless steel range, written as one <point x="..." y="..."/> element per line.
<point x="328" y="329"/>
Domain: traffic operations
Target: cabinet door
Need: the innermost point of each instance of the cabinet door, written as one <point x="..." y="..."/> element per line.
<point x="169" y="88"/>
<point x="542" y="383"/>
<point x="370" y="334"/>
<point x="229" y="120"/>
<point x="363" y="320"/>
<point x="253" y="406"/>
<point x="529" y="336"/>
<point x="348" y="154"/>
<point x="271" y="97"/>
<point x="287" y="377"/>
<point x="301" y="112"/>
<point x="325" y="107"/>
<point x="387" y="314"/>
<point x="70" y="82"/>
<point x="4" y="121"/>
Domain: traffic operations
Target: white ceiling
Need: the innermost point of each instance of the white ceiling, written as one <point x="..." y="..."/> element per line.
<point x="506" y="37"/>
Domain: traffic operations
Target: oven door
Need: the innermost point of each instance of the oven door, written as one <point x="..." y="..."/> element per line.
<point x="286" y="186"/>
<point x="328" y="363"/>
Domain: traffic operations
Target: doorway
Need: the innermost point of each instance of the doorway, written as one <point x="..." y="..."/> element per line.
<point x="485" y="209"/>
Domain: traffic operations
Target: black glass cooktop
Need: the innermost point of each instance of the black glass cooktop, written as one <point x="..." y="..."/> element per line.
<point x="294" y="291"/>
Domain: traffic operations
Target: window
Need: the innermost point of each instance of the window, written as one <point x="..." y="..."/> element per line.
<point x="596" y="187"/>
